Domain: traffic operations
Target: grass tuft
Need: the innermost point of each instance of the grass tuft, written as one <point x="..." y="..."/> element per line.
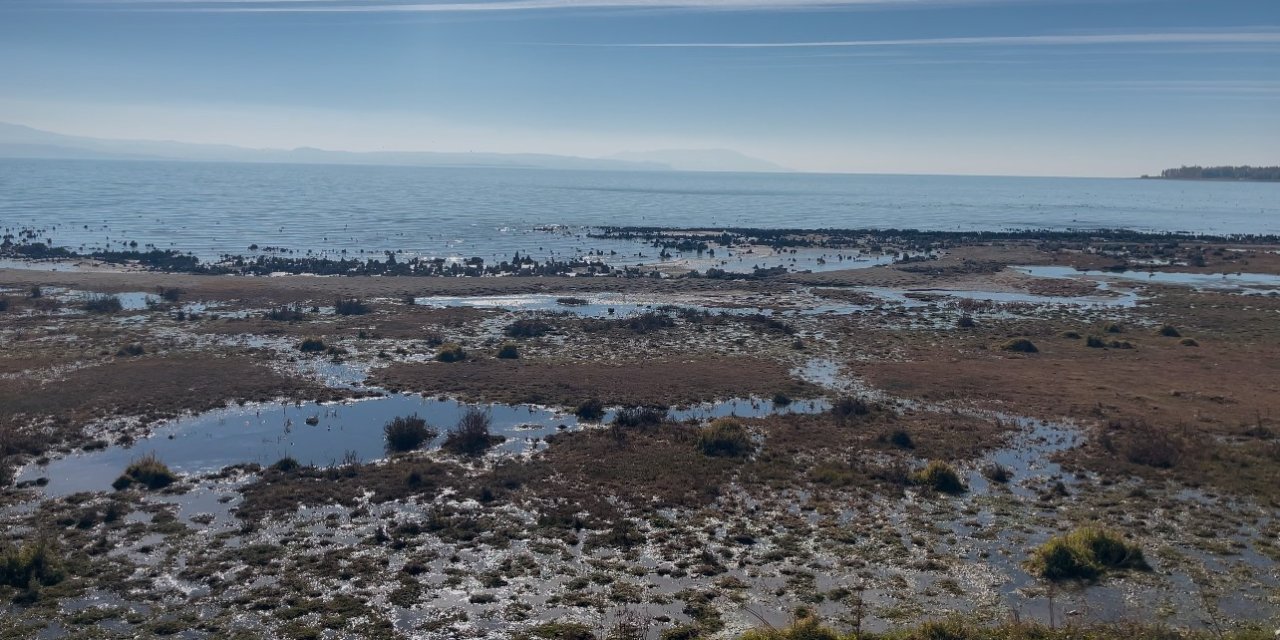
<point x="940" y="477"/>
<point x="590" y="409"/>
<point x="147" y="471"/>
<point x="1020" y="345"/>
<point x="451" y="352"/>
<point x="1085" y="554"/>
<point x="34" y="564"/>
<point x="725" y="437"/>
<point x="312" y="345"/>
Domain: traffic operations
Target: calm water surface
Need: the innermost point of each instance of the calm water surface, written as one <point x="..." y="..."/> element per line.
<point x="211" y="209"/>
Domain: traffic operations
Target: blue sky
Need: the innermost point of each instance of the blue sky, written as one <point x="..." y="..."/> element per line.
<point x="1014" y="87"/>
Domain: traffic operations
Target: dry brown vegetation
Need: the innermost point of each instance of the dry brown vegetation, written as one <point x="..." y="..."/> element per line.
<point x="642" y="382"/>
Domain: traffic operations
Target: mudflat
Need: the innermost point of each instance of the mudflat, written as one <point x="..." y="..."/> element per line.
<point x="882" y="445"/>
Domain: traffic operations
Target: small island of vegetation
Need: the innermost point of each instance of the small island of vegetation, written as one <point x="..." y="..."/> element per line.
<point x="1245" y="172"/>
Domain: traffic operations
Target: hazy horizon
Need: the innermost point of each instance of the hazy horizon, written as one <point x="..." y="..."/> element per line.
<point x="968" y="87"/>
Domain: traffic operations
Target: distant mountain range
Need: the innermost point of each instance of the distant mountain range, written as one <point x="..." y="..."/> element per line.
<point x="18" y="141"/>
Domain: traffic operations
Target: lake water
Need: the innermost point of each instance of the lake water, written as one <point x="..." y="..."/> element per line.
<point x="211" y="209"/>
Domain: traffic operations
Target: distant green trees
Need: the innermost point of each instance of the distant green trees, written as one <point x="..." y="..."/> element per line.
<point x="1246" y="172"/>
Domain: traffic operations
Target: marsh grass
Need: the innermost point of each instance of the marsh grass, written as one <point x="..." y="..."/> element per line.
<point x="725" y="437"/>
<point x="849" y="408"/>
<point x="527" y="328"/>
<point x="312" y="345"/>
<point x="285" y="314"/>
<point x="1020" y="345"/>
<point x="406" y="433"/>
<point x="590" y="409"/>
<point x="30" y="566"/>
<point x="963" y="628"/>
<point x="451" y="352"/>
<point x="939" y="476"/>
<point x="147" y="471"/>
<point x="1085" y="554"/>
<point x="639" y="416"/>
<point x="103" y="304"/>
<point x="471" y="437"/>
<point x="350" y="307"/>
<point x="130" y="351"/>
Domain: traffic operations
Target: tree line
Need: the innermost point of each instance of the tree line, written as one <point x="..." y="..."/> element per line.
<point x="1245" y="172"/>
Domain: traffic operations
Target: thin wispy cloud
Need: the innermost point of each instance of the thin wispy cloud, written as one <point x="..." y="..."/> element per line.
<point x="1173" y="37"/>
<point x="383" y="6"/>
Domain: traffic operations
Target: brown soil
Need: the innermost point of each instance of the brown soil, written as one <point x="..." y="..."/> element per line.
<point x="642" y="382"/>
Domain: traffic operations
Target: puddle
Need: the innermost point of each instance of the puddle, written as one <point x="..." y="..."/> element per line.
<point x="597" y="306"/>
<point x="1256" y="283"/>
<point x="1028" y="455"/>
<point x="329" y="434"/>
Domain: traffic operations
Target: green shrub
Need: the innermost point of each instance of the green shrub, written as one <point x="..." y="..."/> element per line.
<point x="591" y="409"/>
<point x="781" y="399"/>
<point x="1094" y="342"/>
<point x="1085" y="554"/>
<point x="406" y="433"/>
<point x="725" y="437"/>
<point x="471" y="437"/>
<point x="1112" y="327"/>
<point x="34" y="563"/>
<point x="966" y="322"/>
<point x="940" y="477"/>
<point x="1188" y="342"/>
<point x="1169" y="331"/>
<point x="1070" y="335"/>
<point x="147" y="471"/>
<point x="508" y="351"/>
<point x="1020" y="345"/>
<point x="312" y="345"/>
<point x="4" y="303"/>
<point x="451" y="352"/>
